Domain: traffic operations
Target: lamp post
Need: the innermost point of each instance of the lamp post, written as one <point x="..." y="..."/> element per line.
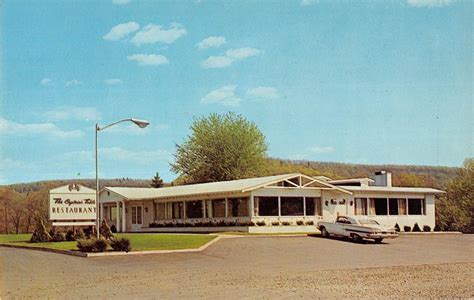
<point x="139" y="123"/>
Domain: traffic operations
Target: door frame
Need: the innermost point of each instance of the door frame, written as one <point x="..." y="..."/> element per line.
<point x="137" y="226"/>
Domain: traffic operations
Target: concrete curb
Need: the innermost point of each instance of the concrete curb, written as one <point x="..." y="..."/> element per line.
<point x="430" y="233"/>
<point x="102" y="254"/>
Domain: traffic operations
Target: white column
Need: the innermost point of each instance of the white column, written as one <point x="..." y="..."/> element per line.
<point x="251" y="206"/>
<point x="184" y="210"/>
<point x="304" y="206"/>
<point x="226" y="214"/>
<point x="279" y="206"/>
<point x="203" y="208"/>
<point x="124" y="218"/>
<point x="117" y="221"/>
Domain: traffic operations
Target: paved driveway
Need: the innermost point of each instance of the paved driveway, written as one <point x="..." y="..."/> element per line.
<point x="253" y="267"/>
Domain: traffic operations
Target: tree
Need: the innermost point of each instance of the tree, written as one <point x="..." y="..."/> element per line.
<point x="17" y="211"/>
<point x="156" y="181"/>
<point x="220" y="147"/>
<point x="455" y="211"/>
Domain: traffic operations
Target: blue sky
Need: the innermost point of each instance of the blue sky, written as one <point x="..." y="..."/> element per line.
<point x="376" y="82"/>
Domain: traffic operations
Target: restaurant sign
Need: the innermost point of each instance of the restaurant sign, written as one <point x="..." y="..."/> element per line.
<point x="72" y="202"/>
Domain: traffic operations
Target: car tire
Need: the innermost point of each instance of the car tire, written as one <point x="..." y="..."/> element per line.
<point x="324" y="233"/>
<point x="356" y="238"/>
<point x="378" y="241"/>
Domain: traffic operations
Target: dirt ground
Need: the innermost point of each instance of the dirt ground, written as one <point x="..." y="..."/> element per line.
<point x="253" y="267"/>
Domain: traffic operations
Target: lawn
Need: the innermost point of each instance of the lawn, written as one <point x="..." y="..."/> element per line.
<point x="139" y="241"/>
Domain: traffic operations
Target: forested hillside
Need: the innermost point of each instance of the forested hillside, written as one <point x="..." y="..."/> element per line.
<point x="21" y="204"/>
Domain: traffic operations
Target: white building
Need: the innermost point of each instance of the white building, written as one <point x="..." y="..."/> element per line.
<point x="282" y="203"/>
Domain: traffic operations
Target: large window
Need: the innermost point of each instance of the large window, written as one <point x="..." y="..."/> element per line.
<point x="266" y="206"/>
<point x="416" y="206"/>
<point x="238" y="207"/>
<point x="177" y="210"/>
<point x="292" y="206"/>
<point x="378" y="206"/>
<point x="218" y="208"/>
<point x="313" y="206"/>
<point x="360" y="206"/>
<point x="393" y="206"/>
<point x="160" y="211"/>
<point x="194" y="209"/>
<point x="402" y="206"/>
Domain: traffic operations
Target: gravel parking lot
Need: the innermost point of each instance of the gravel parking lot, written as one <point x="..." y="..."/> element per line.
<point x="254" y="267"/>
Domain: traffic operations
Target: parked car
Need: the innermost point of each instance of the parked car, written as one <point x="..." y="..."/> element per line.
<point x="357" y="229"/>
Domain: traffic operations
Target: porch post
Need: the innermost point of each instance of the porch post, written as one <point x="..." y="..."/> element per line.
<point x="279" y="206"/>
<point x="226" y="214"/>
<point x="124" y="217"/>
<point x="118" y="216"/>
<point x="203" y="208"/>
<point x="304" y="206"/>
<point x="251" y="206"/>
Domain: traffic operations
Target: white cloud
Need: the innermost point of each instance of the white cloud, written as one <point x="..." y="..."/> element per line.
<point x="230" y="56"/>
<point x="152" y="33"/>
<point x="46" y="81"/>
<point x="216" y="62"/>
<point x="120" y="31"/>
<point x="73" y="82"/>
<point x="241" y="53"/>
<point x="211" y="42"/>
<point x="47" y="129"/>
<point x="429" y="3"/>
<point x="113" y="81"/>
<point x="73" y="113"/>
<point x="224" y="95"/>
<point x="263" y="92"/>
<point x="121" y="2"/>
<point x="322" y="150"/>
<point x="308" y="2"/>
<point x="148" y="59"/>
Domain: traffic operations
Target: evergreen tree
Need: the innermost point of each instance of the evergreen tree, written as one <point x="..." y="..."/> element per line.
<point x="156" y="181"/>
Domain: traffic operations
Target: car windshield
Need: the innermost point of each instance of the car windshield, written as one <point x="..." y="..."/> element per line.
<point x="368" y="222"/>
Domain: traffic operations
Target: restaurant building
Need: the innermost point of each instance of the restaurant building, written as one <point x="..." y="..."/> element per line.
<point x="281" y="203"/>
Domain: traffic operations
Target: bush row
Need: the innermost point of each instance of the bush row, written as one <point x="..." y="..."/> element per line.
<point x="223" y="223"/>
<point x="100" y="245"/>
<point x="416" y="228"/>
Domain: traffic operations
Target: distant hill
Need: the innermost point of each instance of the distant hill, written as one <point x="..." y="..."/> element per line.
<point x="403" y="175"/>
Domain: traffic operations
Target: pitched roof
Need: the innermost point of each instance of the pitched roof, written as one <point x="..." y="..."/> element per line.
<point x="392" y="189"/>
<point x="233" y="186"/>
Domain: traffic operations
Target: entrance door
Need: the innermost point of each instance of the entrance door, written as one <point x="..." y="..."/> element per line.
<point x="136" y="218"/>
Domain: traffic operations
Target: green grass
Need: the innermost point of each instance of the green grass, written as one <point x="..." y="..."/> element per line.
<point x="139" y="241"/>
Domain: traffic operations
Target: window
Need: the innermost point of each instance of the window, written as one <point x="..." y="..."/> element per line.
<point x="393" y="206"/>
<point x="136" y="215"/>
<point x="237" y="207"/>
<point x="113" y="212"/>
<point x="266" y="206"/>
<point x="416" y="206"/>
<point x="194" y="209"/>
<point x="177" y="210"/>
<point x="218" y="208"/>
<point x="160" y="211"/>
<point x="378" y="206"/>
<point x="402" y="206"/>
<point x="291" y="206"/>
<point x="313" y="206"/>
<point x="360" y="207"/>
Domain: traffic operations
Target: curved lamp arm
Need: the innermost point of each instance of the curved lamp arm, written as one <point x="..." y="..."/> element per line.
<point x="139" y="123"/>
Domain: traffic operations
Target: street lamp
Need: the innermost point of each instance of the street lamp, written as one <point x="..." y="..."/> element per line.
<point x="139" y="123"/>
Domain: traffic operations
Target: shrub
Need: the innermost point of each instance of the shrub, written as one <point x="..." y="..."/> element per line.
<point x="105" y="231"/>
<point x="40" y="235"/>
<point x="275" y="223"/>
<point x="113" y="228"/>
<point x="436" y="228"/>
<point x="310" y="223"/>
<point x="70" y="236"/>
<point x="79" y="235"/>
<point x="416" y="228"/>
<point x="221" y="223"/>
<point x="88" y="232"/>
<point x="92" y="245"/>
<point x="153" y="224"/>
<point x="121" y="244"/>
<point x="397" y="227"/>
<point x="406" y="228"/>
<point x="299" y="222"/>
<point x="261" y="223"/>
<point x="59" y="236"/>
<point x="250" y="223"/>
<point x="285" y="223"/>
<point x="426" y="228"/>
